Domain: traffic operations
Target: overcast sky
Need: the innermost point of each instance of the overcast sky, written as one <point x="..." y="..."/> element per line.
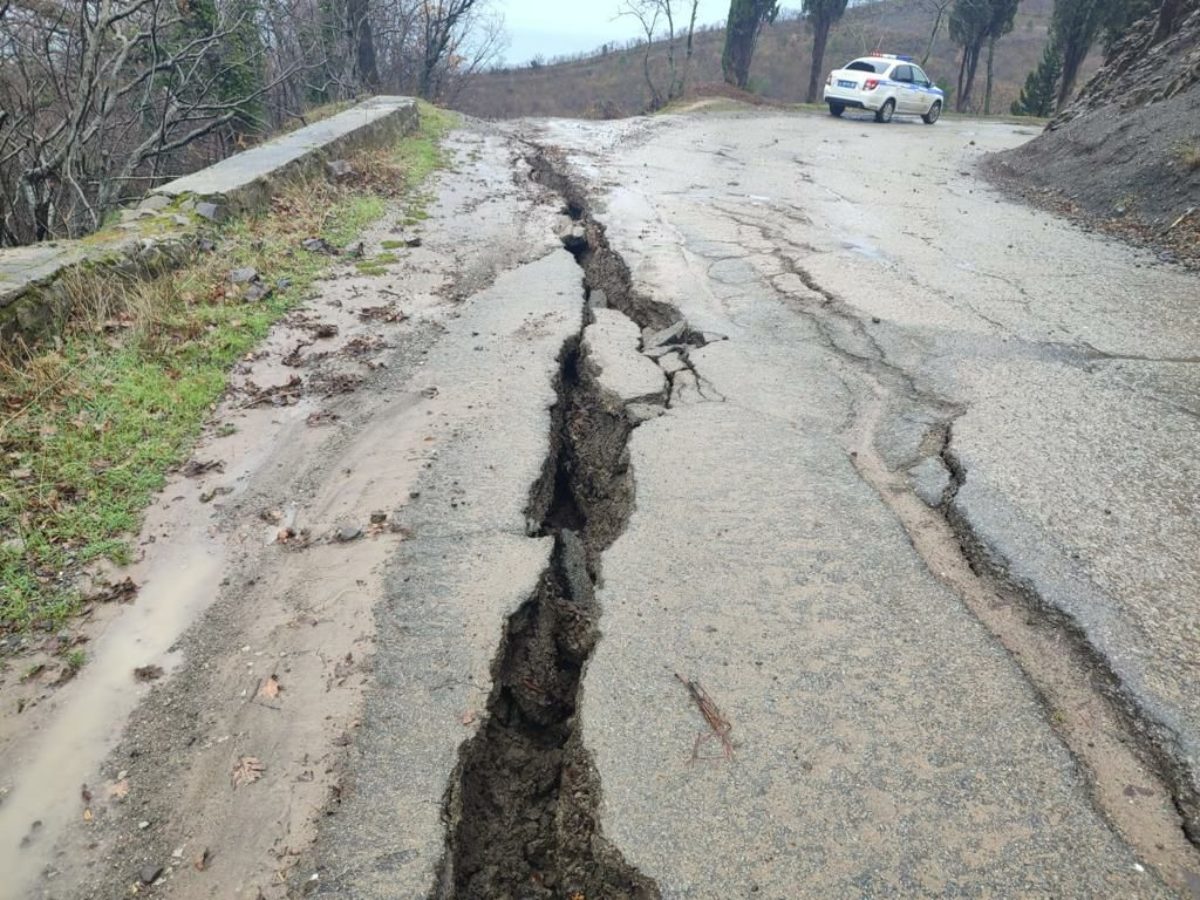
<point x="551" y="28"/>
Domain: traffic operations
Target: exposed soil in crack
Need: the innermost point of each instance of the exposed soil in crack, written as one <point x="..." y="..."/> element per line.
<point x="1138" y="783"/>
<point x="1127" y="786"/>
<point x="521" y="810"/>
<point x="1134" y="783"/>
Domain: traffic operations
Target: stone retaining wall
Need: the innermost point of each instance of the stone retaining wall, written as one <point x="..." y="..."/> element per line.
<point x="165" y="229"/>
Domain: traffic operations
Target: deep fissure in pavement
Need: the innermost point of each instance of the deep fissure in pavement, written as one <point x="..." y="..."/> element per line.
<point x="521" y="809"/>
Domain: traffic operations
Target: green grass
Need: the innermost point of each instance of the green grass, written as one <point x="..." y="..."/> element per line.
<point x="90" y="429"/>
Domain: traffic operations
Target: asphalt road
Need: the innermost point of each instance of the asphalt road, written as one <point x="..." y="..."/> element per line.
<point x="823" y="524"/>
<point x="886" y="743"/>
<point x="918" y="518"/>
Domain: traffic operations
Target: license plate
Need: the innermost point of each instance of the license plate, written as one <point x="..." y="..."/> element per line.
<point x="849" y="84"/>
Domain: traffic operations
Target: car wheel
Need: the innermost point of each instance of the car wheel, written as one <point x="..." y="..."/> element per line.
<point x="836" y="109"/>
<point x="884" y="113"/>
<point x="935" y="113"/>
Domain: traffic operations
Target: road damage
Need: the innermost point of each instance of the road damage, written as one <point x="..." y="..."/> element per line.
<point x="687" y="592"/>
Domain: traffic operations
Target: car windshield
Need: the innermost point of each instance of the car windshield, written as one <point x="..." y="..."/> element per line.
<point x="878" y="66"/>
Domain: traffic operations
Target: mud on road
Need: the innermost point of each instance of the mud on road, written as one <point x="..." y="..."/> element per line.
<point x="692" y="513"/>
<point x="256" y="580"/>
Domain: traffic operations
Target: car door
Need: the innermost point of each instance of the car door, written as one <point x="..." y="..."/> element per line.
<point x="922" y="93"/>
<point x="907" y="100"/>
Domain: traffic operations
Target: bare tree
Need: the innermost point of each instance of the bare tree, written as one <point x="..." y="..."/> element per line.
<point x="442" y="23"/>
<point x="100" y="97"/>
<point x="938" y="9"/>
<point x="650" y="14"/>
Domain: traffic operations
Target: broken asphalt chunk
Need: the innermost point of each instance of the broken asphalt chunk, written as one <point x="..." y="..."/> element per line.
<point x="319" y="245"/>
<point x="652" y="339"/>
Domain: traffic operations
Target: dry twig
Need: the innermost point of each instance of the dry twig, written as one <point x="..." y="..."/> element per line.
<point x="719" y="725"/>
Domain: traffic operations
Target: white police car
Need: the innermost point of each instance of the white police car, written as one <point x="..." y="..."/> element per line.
<point x="885" y="85"/>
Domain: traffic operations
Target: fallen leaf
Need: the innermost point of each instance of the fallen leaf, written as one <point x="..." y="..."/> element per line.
<point x="121" y="592"/>
<point x="247" y="771"/>
<point x="270" y="687"/>
<point x="148" y="673"/>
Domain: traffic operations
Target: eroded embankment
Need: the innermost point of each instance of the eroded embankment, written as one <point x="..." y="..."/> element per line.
<point x="521" y="810"/>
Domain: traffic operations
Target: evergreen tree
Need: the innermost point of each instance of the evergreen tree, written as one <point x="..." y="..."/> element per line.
<point x="746" y="19"/>
<point x="974" y="23"/>
<point x="1122" y="14"/>
<point x="1074" y="28"/>
<point x="1037" y="97"/>
<point x="970" y="22"/>
<point x="821" y="15"/>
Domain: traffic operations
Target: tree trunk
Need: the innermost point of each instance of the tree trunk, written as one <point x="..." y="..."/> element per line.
<point x="970" y="64"/>
<point x="740" y="34"/>
<point x="362" y="43"/>
<point x="1168" y="19"/>
<point x="655" y="100"/>
<point x="933" y="33"/>
<point x="962" y="74"/>
<point x="1072" y="60"/>
<point x="820" y="39"/>
<point x="987" y="94"/>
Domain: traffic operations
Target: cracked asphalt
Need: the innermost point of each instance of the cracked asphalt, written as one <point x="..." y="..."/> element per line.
<point x="900" y="475"/>
<point x="886" y="743"/>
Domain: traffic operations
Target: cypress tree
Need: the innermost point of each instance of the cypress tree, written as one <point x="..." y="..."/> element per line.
<point x="1037" y="97"/>
<point x="1075" y="26"/>
<point x="746" y="19"/>
<point x="821" y="15"/>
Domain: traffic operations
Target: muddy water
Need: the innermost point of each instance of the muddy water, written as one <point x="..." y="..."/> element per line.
<point x="46" y="770"/>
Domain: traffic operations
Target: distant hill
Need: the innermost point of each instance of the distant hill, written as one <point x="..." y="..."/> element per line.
<point x="612" y="84"/>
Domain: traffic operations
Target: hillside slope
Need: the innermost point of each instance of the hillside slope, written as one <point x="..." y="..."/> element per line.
<point x="612" y="84"/>
<point x="1127" y="151"/>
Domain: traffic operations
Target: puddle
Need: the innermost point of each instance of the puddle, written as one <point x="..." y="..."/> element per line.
<point x="863" y="248"/>
<point x="47" y="768"/>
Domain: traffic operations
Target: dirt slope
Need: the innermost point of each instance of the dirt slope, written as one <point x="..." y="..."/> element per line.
<point x="1127" y="151"/>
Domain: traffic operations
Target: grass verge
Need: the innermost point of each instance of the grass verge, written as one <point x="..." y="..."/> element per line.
<point x="90" y="428"/>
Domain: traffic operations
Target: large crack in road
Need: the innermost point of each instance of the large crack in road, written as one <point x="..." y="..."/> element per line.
<point x="521" y="811"/>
